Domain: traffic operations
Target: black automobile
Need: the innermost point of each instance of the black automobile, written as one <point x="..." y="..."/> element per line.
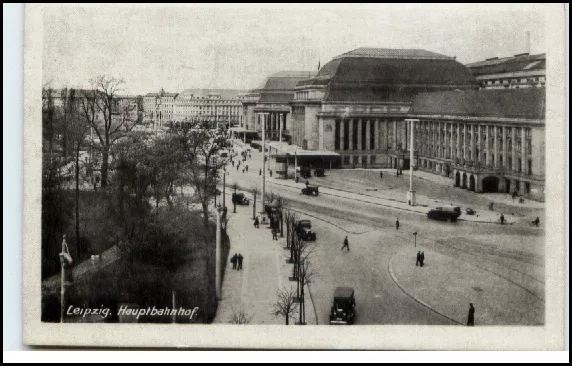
<point x="469" y="211"/>
<point x="343" y="307"/>
<point x="240" y="199"/>
<point x="304" y="230"/>
<point x="305" y="172"/>
<point x="444" y="213"/>
<point x="319" y="172"/>
<point x="310" y="190"/>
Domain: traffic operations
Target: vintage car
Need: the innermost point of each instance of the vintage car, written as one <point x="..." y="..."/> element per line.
<point x="445" y="213"/>
<point x="319" y="172"/>
<point x="343" y="307"/>
<point x="304" y="230"/>
<point x="305" y="172"/>
<point x="240" y="199"/>
<point x="310" y="190"/>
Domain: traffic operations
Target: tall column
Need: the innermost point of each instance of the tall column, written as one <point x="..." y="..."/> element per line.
<point x="465" y="141"/>
<point x="523" y="154"/>
<point x="280" y="127"/>
<point x="351" y="134"/>
<point x="377" y="132"/>
<point x="411" y="193"/>
<point x="367" y="134"/>
<point x="395" y="134"/>
<point x="480" y="144"/>
<point x="359" y="129"/>
<point x="342" y="134"/>
<point x="513" y="150"/>
<point x="459" y="155"/>
<point x="495" y="146"/>
<point x="504" y="148"/>
<point x="263" y="159"/>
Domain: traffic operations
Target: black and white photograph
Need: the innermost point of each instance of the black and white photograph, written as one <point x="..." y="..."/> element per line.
<point x="343" y="170"/>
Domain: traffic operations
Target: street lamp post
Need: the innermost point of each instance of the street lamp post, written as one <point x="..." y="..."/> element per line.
<point x="411" y="192"/>
<point x="224" y="186"/>
<point x="217" y="256"/>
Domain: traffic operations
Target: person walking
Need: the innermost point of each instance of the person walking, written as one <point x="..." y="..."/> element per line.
<point x="422" y="258"/>
<point x="501" y="219"/>
<point x="240" y="258"/>
<point x="471" y="318"/>
<point x="346" y="244"/>
<point x="260" y="172"/>
<point x="232" y="161"/>
<point x="380" y="174"/>
<point x="274" y="234"/>
<point x="307" y="183"/>
<point x="256" y="222"/>
<point x="247" y="168"/>
<point x="242" y="170"/>
<point x="233" y="260"/>
<point x="270" y="173"/>
<point x="418" y="261"/>
<point x="397" y="224"/>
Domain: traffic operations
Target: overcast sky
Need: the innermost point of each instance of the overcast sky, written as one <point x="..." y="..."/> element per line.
<point x="236" y="46"/>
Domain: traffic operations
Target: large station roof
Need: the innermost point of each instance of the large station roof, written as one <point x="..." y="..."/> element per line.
<point x="381" y="74"/>
<point x="522" y="62"/>
<point x="502" y="103"/>
<point x="279" y="87"/>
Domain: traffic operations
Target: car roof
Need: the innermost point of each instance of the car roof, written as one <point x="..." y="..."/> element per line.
<point x="343" y="292"/>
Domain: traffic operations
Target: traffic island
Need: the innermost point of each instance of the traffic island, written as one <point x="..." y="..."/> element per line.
<point x="447" y="285"/>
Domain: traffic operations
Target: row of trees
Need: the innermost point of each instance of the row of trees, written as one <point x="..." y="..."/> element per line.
<point x="90" y="130"/>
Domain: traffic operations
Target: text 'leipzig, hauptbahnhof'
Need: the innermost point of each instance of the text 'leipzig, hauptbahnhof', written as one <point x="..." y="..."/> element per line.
<point x="481" y="124"/>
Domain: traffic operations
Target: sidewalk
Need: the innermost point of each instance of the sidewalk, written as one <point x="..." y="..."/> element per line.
<point x="391" y="199"/>
<point x="448" y="284"/>
<point x="254" y="289"/>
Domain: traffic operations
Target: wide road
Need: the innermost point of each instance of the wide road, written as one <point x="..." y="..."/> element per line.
<point x="512" y="251"/>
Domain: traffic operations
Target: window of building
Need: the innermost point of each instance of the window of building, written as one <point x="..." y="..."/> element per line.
<point x="527" y="187"/>
<point x="519" y="167"/>
<point x="346" y="160"/>
<point x="372" y="159"/>
<point x="529" y="170"/>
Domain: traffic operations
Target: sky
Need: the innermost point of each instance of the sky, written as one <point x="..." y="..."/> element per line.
<point x="177" y="47"/>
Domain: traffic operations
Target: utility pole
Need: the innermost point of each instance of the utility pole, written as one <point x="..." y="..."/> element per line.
<point x="263" y="158"/>
<point x="411" y="192"/>
<point x="217" y="257"/>
<point x="224" y="186"/>
<point x="295" y="164"/>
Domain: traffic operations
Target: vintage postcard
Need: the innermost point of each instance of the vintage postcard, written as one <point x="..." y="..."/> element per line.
<point x="294" y="176"/>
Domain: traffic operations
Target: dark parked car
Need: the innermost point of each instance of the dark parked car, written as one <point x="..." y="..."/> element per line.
<point x="304" y="230"/>
<point x="470" y="211"/>
<point x="319" y="172"/>
<point x="240" y="199"/>
<point x="310" y="190"/>
<point x="445" y="213"/>
<point x="343" y="308"/>
<point x="305" y="172"/>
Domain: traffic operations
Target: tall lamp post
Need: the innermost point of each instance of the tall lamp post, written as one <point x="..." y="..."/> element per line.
<point x="223" y="186"/>
<point x="411" y="192"/>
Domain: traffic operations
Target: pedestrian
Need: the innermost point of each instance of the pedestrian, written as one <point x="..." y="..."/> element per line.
<point x="242" y="170"/>
<point x="233" y="260"/>
<point x="396" y="172"/>
<point x="260" y="172"/>
<point x="256" y="222"/>
<point x="397" y="224"/>
<point x="471" y="318"/>
<point x="247" y="168"/>
<point x="232" y="161"/>
<point x="380" y="174"/>
<point x="537" y="221"/>
<point x="346" y="244"/>
<point x="501" y="219"/>
<point x="274" y="234"/>
<point x="422" y="258"/>
<point x="418" y="261"/>
<point x="307" y="183"/>
<point x="237" y="167"/>
<point x="240" y="258"/>
<point x="270" y="173"/>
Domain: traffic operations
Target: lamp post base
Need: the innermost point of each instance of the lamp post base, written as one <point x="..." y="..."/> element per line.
<point x="411" y="198"/>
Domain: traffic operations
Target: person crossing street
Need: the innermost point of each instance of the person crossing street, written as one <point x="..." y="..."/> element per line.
<point x="346" y="244"/>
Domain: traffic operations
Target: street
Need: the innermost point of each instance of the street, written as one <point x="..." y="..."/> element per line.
<point x="388" y="291"/>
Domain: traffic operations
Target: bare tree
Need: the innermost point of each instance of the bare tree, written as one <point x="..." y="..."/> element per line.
<point x="306" y="277"/>
<point x="290" y="217"/>
<point x="102" y="100"/>
<point x="239" y="317"/>
<point x="285" y="304"/>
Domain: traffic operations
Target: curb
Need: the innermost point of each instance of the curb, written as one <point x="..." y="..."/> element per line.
<point x="413" y="297"/>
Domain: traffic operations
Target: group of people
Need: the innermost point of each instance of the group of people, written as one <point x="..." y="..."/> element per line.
<point x="236" y="261"/>
<point x="420" y="259"/>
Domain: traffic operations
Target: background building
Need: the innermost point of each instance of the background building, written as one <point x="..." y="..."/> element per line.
<point x="271" y="103"/>
<point x="357" y="103"/>
<point x="486" y="140"/>
<point x="520" y="71"/>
